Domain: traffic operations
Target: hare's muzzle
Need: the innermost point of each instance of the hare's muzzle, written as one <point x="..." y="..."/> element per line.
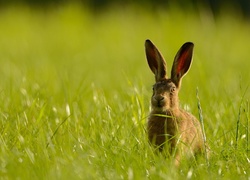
<point x="158" y="101"/>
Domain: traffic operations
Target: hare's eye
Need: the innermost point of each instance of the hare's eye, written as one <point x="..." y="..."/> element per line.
<point x="172" y="89"/>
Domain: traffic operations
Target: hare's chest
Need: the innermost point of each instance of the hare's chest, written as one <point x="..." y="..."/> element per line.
<point x="161" y="129"/>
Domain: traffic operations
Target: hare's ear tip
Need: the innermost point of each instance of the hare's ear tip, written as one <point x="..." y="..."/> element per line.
<point x="148" y="43"/>
<point x="191" y="44"/>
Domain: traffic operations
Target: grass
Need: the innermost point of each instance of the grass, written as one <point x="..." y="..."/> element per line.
<point x="75" y="90"/>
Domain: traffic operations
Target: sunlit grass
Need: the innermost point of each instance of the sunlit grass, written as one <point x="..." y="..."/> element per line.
<point x="75" y="90"/>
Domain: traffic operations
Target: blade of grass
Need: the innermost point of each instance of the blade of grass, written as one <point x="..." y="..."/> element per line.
<point x="247" y="133"/>
<point x="239" y="117"/>
<point x="202" y="125"/>
<point x="56" y="130"/>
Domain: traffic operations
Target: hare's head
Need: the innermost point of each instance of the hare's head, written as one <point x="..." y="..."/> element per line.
<point x="165" y="90"/>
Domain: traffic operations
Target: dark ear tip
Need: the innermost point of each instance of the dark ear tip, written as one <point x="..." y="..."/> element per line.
<point x="189" y="44"/>
<point x="148" y="43"/>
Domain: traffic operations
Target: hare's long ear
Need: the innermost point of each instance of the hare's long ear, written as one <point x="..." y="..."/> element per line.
<point x="155" y="61"/>
<point x="182" y="62"/>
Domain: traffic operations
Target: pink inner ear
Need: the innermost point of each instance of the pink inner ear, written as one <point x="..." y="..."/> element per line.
<point x="182" y="60"/>
<point x="152" y="53"/>
<point x="151" y="56"/>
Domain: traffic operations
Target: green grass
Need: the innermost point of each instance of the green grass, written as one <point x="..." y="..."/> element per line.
<point x="75" y="90"/>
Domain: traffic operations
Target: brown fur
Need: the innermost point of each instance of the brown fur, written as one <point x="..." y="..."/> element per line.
<point x="171" y="129"/>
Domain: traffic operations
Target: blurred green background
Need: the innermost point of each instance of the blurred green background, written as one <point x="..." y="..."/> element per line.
<point x="75" y="86"/>
<point x="215" y="6"/>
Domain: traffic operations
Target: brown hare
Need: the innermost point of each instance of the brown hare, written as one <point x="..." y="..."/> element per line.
<point x="170" y="128"/>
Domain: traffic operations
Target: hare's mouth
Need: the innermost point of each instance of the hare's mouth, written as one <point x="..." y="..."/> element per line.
<point x="159" y="104"/>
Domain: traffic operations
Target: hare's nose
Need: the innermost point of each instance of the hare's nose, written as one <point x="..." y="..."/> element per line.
<point x="159" y="98"/>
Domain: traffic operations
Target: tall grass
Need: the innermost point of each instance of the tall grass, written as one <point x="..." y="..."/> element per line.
<point x="75" y="90"/>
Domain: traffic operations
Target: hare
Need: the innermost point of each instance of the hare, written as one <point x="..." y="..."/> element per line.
<point x="170" y="128"/>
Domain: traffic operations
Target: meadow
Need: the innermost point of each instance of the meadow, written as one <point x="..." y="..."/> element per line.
<point x="75" y="91"/>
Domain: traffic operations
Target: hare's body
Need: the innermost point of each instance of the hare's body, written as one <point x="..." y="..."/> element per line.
<point x="169" y="127"/>
<point x="179" y="131"/>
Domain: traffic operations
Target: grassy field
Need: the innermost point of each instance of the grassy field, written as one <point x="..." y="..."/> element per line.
<point x="75" y="89"/>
